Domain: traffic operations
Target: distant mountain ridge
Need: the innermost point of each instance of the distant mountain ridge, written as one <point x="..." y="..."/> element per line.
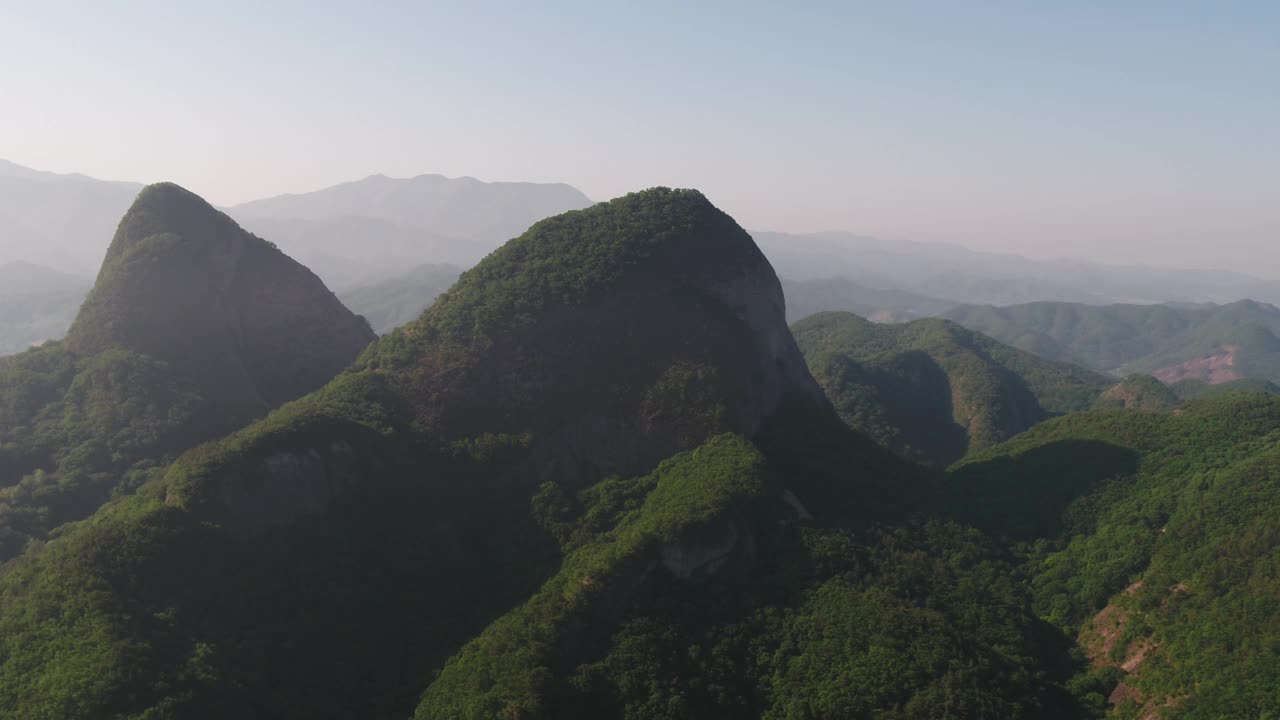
<point x="954" y="273"/>
<point x="1216" y="344"/>
<point x="392" y="302"/>
<point x="384" y="224"/>
<point x="933" y="391"/>
<point x="58" y="220"/>
<point x="25" y="278"/>
<point x="37" y="303"/>
<point x="809" y="297"/>
<point x="352" y="232"/>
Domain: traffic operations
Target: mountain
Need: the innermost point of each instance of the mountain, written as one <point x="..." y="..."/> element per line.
<point x="1150" y="538"/>
<point x="354" y="252"/>
<point x="1214" y="344"/>
<point x="1139" y="392"/>
<point x="356" y="231"/>
<point x="36" y="304"/>
<point x="809" y="297"/>
<point x="58" y="220"/>
<point x="582" y="484"/>
<point x="1196" y="389"/>
<point x="184" y="284"/>
<point x="193" y="328"/>
<point x="24" y="278"/>
<point x="955" y="274"/>
<point x="350" y="234"/>
<point x="932" y="390"/>
<point x="390" y="303"/>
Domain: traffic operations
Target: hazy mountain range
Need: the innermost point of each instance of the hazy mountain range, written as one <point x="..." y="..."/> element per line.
<point x="37" y="303"/>
<point x="952" y="273"/>
<point x="58" y="220"/>
<point x="363" y="231"/>
<point x="379" y="226"/>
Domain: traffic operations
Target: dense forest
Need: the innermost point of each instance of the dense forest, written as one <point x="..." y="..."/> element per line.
<point x="193" y="329"/>
<point x="933" y="390"/>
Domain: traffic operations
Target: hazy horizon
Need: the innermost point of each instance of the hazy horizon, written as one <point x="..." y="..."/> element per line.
<point x="1139" y="135"/>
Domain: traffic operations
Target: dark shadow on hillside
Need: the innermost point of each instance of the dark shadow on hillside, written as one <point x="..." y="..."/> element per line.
<point x="838" y="474"/>
<point x="1024" y="496"/>
<point x="392" y="579"/>
<point x="916" y="395"/>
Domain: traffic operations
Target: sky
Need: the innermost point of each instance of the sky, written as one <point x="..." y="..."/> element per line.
<point x="1134" y="132"/>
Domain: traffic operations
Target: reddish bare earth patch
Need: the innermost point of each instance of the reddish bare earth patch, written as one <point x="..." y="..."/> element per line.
<point x="1124" y="692"/>
<point x="1213" y="369"/>
<point x="1099" y="639"/>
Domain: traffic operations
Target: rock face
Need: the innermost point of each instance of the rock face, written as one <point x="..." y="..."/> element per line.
<point x="183" y="283"/>
<point x="705" y="551"/>
<point x="285" y="486"/>
<point x="608" y="339"/>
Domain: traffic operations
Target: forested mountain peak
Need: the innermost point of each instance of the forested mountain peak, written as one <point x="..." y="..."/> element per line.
<point x="193" y="329"/>
<point x="182" y="283"/>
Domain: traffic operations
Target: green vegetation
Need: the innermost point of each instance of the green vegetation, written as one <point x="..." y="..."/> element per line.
<point x="809" y="622"/>
<point x="930" y="389"/>
<point x="507" y="671"/>
<point x="1170" y="528"/>
<point x="1140" y="338"/>
<point x="158" y="361"/>
<point x="237" y="575"/>
<point x="1139" y="392"/>
<point x="653" y="239"/>
<point x="74" y="431"/>
<point x="1195" y="389"/>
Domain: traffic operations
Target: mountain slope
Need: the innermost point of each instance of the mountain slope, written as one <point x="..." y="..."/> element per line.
<point x="930" y="389"/>
<point x="1214" y="343"/>
<point x="1139" y="392"/>
<point x="537" y="320"/>
<point x="1154" y="545"/>
<point x="193" y="328"/>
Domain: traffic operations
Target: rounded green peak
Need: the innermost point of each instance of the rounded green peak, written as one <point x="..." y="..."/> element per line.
<point x="184" y="284"/>
<point x="167" y="208"/>
<point x="657" y="238"/>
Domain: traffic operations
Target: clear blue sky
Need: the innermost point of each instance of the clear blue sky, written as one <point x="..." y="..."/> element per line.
<point x="1126" y="131"/>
